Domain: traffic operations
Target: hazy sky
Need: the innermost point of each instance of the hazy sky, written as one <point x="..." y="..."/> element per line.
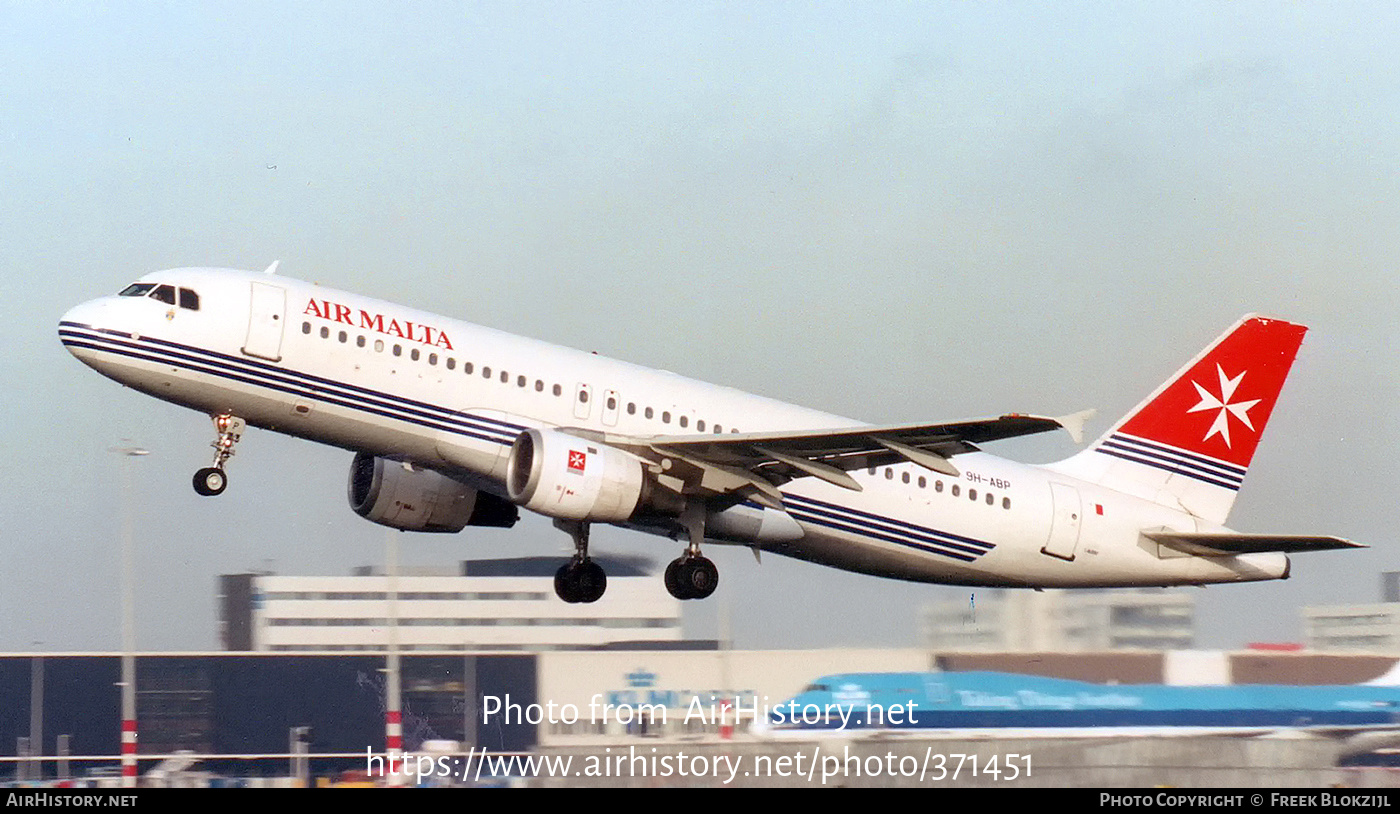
<point x="897" y="212"/>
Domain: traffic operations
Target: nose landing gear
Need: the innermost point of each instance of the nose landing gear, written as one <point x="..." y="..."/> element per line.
<point x="211" y="480"/>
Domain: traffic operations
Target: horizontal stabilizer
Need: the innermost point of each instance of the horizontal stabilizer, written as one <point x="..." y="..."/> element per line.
<point x="1211" y="544"/>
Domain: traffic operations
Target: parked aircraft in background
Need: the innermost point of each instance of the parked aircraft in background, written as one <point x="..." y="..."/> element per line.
<point x="453" y="424"/>
<point x="1363" y="717"/>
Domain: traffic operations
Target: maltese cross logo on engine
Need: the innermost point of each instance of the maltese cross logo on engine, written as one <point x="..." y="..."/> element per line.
<point x="1239" y="409"/>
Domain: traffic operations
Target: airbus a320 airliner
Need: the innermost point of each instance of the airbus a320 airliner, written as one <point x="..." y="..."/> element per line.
<point x="453" y="424"/>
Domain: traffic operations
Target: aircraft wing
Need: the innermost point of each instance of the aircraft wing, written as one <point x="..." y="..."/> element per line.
<point x="754" y="464"/>
<point x="1211" y="544"/>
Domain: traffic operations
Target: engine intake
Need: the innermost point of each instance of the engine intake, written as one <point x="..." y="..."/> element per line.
<point x="570" y="478"/>
<point x="405" y="497"/>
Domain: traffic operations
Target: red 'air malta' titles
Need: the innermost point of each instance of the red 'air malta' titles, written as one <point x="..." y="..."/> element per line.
<point x="335" y="312"/>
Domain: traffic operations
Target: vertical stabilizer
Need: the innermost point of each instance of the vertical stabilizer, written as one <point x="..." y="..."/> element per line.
<point x="1190" y="443"/>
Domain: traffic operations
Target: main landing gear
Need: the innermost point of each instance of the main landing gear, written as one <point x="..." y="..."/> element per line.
<point x="692" y="576"/>
<point x="580" y="580"/>
<point x="211" y="480"/>
<point x="689" y="576"/>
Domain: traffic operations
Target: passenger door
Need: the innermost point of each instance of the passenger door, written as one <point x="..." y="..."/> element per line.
<point x="265" y="320"/>
<point x="1064" y="521"/>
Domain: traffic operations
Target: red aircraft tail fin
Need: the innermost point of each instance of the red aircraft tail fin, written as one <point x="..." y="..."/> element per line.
<point x="1190" y="443"/>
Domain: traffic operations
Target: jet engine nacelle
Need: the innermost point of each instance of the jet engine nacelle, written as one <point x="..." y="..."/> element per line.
<point x="570" y="478"/>
<point x="402" y="496"/>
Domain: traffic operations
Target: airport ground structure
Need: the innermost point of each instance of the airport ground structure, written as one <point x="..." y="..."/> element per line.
<point x="1365" y="627"/>
<point x="1060" y="620"/>
<point x="636" y="711"/>
<point x="494" y="667"/>
<point x="503" y="604"/>
<point x="1127" y="763"/>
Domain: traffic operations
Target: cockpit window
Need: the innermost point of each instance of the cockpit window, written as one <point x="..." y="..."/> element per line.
<point x="165" y="293"/>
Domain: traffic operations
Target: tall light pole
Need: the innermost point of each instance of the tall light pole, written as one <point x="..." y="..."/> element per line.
<point x="128" y="621"/>
<point x="393" y="713"/>
<point x="36" y="713"/>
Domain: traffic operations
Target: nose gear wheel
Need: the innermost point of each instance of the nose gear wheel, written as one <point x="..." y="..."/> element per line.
<point x="212" y="480"/>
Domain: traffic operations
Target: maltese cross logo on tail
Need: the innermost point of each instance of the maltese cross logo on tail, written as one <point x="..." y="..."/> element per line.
<point x="1216" y="407"/>
<point x="1192" y="439"/>
<point x="1239" y="409"/>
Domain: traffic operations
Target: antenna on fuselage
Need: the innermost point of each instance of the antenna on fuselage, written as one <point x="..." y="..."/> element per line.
<point x="272" y="269"/>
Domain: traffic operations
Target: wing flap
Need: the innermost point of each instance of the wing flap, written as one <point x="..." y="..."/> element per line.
<point x="754" y="464"/>
<point x="848" y="448"/>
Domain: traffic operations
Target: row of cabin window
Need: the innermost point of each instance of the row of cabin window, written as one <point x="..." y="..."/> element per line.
<point x="683" y="421"/>
<point x="955" y="490"/>
<point x="521" y="381"/>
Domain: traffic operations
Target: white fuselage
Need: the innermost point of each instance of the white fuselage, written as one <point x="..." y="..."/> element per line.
<point x="373" y="376"/>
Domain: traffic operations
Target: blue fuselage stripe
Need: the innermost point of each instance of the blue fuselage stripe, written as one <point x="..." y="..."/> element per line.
<point x="865" y="531"/>
<point x="1172" y="468"/>
<point x="1221" y="467"/>
<point x="293" y="383"/>
<point x="1196" y="464"/>
<point x="965" y="549"/>
<point x="857" y="515"/>
<point x="250" y="365"/>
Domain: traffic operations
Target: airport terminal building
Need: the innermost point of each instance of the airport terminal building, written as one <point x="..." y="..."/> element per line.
<point x="506" y="604"/>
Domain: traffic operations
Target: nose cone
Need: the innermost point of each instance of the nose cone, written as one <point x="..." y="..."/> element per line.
<point x="83" y="315"/>
<point x="76" y="328"/>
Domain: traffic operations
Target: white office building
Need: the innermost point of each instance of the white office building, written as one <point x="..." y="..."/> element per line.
<point x="1001" y="620"/>
<point x="1353" y="628"/>
<point x="1368" y="628"/>
<point x="484" y="605"/>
